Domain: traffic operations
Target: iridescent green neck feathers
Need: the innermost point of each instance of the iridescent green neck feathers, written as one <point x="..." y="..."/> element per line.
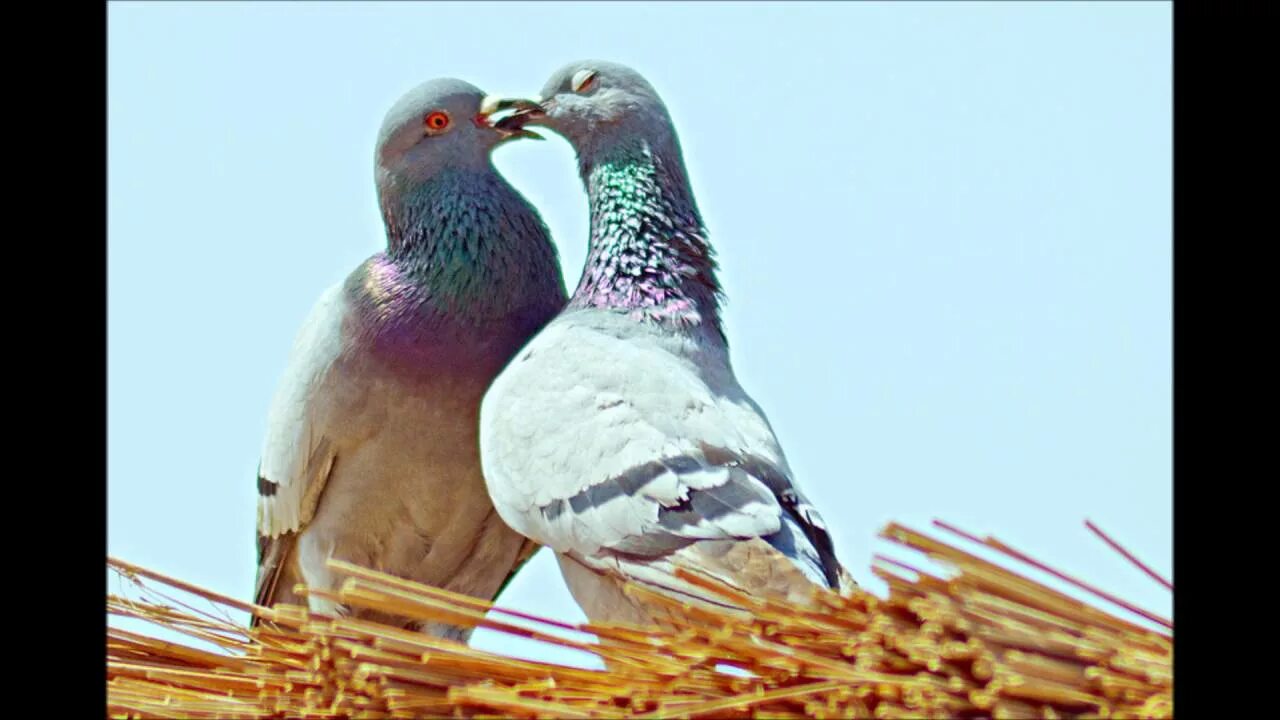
<point x="648" y="251"/>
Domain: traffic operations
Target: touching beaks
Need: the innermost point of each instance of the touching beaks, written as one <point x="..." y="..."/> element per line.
<point x="507" y="130"/>
<point x="492" y="104"/>
<point x="515" y="112"/>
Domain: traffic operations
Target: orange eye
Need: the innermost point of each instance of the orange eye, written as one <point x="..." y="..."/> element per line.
<point x="437" y="121"/>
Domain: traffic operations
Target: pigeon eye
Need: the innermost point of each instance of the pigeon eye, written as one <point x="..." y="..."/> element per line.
<point x="583" y="80"/>
<point x="436" y="121"/>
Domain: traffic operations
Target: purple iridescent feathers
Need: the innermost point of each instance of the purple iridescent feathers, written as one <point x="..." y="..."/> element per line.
<point x="464" y="251"/>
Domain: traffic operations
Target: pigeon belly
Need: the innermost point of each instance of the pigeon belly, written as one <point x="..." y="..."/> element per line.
<point x="406" y="494"/>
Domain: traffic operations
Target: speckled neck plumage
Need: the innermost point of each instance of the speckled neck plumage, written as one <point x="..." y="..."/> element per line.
<point x="464" y="247"/>
<point x="648" y="251"/>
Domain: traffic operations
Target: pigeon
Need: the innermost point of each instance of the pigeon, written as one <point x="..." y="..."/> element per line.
<point x="371" y="453"/>
<point x="619" y="436"/>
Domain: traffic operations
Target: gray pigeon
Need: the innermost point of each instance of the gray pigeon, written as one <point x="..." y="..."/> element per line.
<point x="646" y="454"/>
<point x="371" y="454"/>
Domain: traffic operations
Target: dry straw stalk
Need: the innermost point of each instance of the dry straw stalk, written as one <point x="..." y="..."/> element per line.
<point x="983" y="642"/>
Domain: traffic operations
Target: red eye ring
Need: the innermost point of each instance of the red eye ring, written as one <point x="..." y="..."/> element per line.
<point x="437" y="120"/>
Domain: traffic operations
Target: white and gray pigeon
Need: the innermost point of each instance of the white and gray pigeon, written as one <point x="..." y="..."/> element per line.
<point x="371" y="453"/>
<point x="619" y="436"/>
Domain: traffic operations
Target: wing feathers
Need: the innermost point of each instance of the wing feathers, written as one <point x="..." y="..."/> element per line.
<point x="663" y="505"/>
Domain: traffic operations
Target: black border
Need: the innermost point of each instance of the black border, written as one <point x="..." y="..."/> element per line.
<point x="1221" y="169"/>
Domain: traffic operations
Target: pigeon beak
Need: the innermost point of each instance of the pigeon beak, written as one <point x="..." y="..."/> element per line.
<point x="520" y="112"/>
<point x="507" y="131"/>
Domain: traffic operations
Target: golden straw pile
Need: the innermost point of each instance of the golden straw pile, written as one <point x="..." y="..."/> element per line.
<point x="983" y="642"/>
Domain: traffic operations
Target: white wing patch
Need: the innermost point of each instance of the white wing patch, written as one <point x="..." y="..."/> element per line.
<point x="296" y="456"/>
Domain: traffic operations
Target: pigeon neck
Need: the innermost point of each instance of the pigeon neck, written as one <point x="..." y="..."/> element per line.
<point x="463" y="243"/>
<point x="648" y="251"/>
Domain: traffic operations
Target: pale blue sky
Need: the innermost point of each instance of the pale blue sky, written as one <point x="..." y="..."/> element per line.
<point x="944" y="231"/>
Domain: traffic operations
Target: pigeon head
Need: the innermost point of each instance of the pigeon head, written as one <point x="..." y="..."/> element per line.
<point x="434" y="127"/>
<point x="592" y="103"/>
